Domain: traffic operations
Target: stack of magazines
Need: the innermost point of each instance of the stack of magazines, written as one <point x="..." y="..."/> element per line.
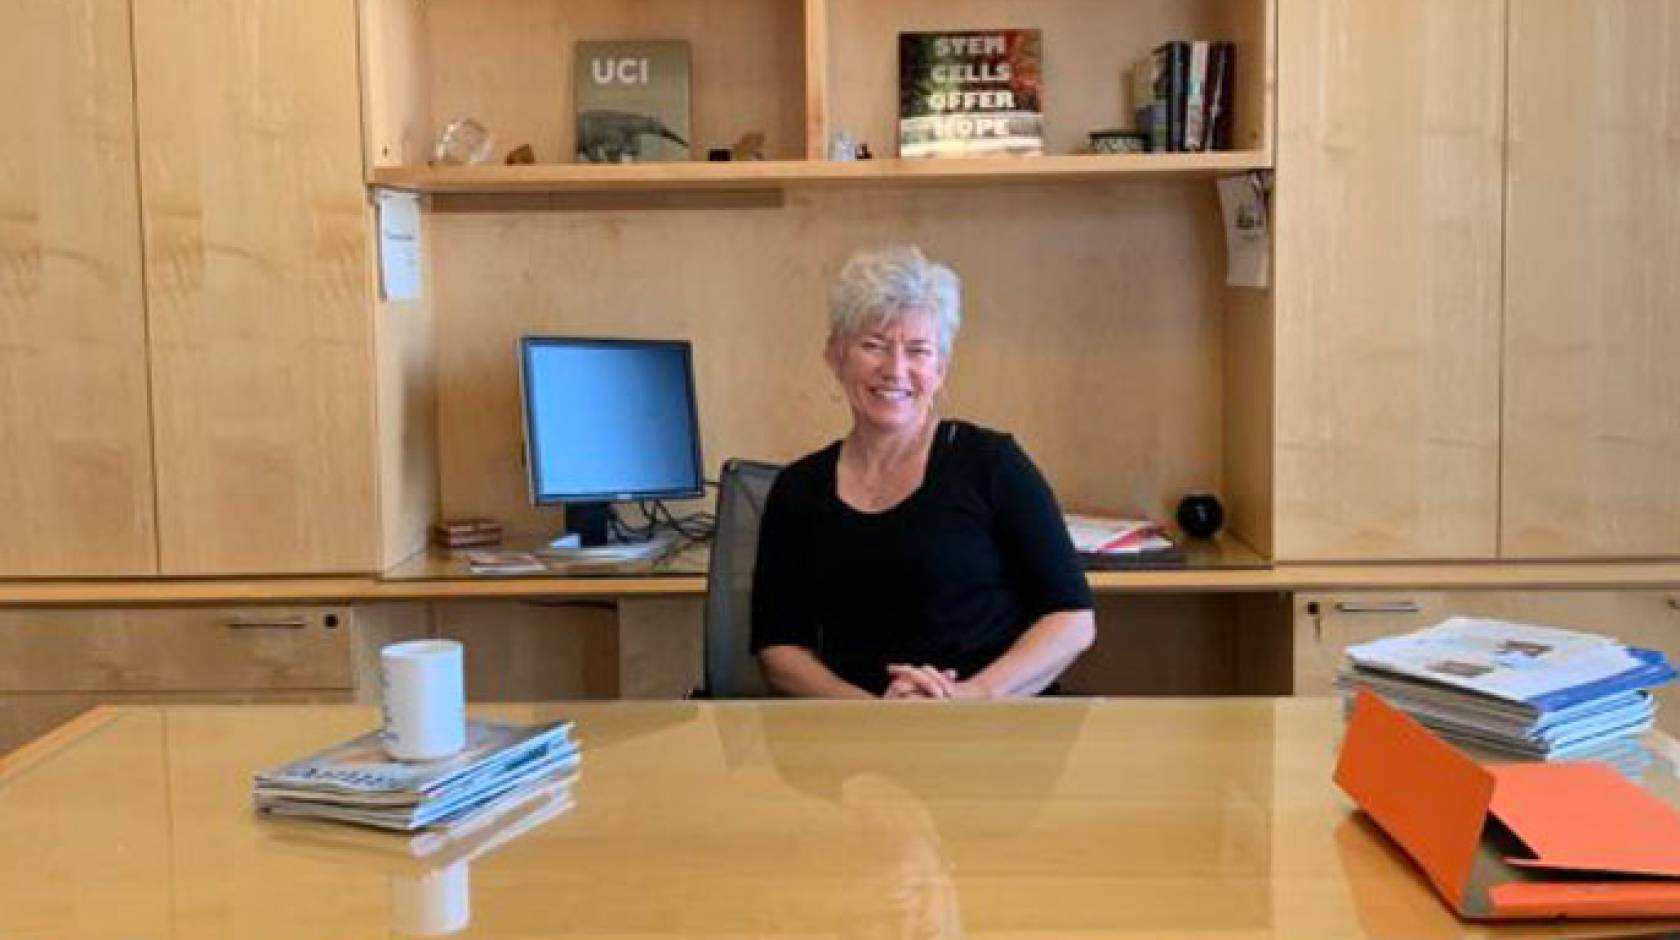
<point x="1514" y="690"/>
<point x="501" y="765"/>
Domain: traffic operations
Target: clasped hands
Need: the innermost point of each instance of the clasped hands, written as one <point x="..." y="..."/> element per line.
<point x="930" y="682"/>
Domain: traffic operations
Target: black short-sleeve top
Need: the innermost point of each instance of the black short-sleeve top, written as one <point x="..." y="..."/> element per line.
<point x="949" y="577"/>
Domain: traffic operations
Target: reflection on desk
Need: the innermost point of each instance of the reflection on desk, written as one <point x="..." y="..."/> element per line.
<point x="441" y="564"/>
<point x="1222" y="553"/>
<point x="1157" y="818"/>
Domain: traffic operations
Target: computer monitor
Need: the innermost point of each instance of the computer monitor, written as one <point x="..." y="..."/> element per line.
<point x="608" y="420"/>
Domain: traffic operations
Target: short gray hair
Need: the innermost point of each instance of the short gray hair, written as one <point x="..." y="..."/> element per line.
<point x="886" y="283"/>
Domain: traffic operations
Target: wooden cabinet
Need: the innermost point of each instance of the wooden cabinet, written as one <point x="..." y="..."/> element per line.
<point x="76" y="489"/>
<point x="1592" y="335"/>
<point x="56" y="663"/>
<point x="209" y="409"/>
<point x="1388" y="265"/>
<point x="1326" y="624"/>
<point x="257" y="285"/>
<point x="1443" y="393"/>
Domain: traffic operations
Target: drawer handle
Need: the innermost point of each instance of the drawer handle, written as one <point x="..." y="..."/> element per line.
<point x="1378" y="607"/>
<point x="275" y="623"/>
<point x="1674" y="603"/>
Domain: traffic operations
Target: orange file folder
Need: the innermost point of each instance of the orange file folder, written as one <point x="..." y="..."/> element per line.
<point x="1512" y="840"/>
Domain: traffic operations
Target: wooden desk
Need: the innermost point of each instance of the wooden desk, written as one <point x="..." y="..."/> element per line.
<point x="1070" y="818"/>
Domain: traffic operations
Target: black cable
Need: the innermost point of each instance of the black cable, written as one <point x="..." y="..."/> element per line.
<point x="695" y="526"/>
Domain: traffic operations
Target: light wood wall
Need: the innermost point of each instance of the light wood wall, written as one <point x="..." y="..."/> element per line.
<point x="76" y="491"/>
<point x="257" y="279"/>
<point x="1592" y="323"/>
<point x="1093" y="325"/>
<point x="396" y="103"/>
<point x="406" y="342"/>
<point x="1388" y="260"/>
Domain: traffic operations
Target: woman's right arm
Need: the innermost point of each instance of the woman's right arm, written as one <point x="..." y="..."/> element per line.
<point x="784" y="624"/>
<point x="796" y="671"/>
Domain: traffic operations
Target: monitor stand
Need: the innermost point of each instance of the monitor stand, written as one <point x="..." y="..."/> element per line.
<point x="585" y="539"/>
<point x="587" y="522"/>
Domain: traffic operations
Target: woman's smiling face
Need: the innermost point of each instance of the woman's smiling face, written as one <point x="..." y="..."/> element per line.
<point x="890" y="370"/>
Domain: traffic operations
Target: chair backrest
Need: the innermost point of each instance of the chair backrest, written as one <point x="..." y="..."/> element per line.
<point x="731" y="669"/>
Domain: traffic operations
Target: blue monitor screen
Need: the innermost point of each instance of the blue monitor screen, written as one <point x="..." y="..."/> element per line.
<point x="609" y="419"/>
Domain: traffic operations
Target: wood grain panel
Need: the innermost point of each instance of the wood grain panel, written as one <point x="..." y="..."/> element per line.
<point x="1592" y="322"/>
<point x="76" y="492"/>
<point x="395" y="82"/>
<point x="187" y="649"/>
<point x="1250" y="382"/>
<point x="257" y="281"/>
<point x="1388" y="223"/>
<point x="1088" y="47"/>
<point x="406" y="370"/>
<point x="1182" y="644"/>
<point x="1093" y="326"/>
<point x="817" y="77"/>
<point x="518" y="652"/>
<point x="508" y="64"/>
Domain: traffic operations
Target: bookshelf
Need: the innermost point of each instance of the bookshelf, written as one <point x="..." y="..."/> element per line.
<point x="1099" y="327"/>
<point x="797" y="71"/>
<point x="580" y="177"/>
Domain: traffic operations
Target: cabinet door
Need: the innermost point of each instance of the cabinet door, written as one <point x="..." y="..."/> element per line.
<point x="1388" y="220"/>
<point x="254" y="649"/>
<point x="76" y="489"/>
<point x="1592" y="320"/>
<point x="257" y="285"/>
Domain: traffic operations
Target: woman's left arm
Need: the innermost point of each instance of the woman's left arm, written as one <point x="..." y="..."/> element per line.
<point x="1045" y="571"/>
<point x="1036" y="658"/>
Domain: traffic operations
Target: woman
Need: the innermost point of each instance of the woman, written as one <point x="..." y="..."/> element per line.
<point x="916" y="557"/>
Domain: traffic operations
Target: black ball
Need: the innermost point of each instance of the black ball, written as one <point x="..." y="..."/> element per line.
<point x="1200" y="515"/>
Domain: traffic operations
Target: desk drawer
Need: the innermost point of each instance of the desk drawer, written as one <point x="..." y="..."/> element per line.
<point x="176" y="649"/>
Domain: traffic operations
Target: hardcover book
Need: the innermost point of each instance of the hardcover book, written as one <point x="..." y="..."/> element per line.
<point x="632" y="101"/>
<point x="970" y="93"/>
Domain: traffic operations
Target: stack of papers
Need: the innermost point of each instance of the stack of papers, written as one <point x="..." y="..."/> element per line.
<point x="486" y="562"/>
<point x="1512" y="689"/>
<point x="1099" y="540"/>
<point x="356" y="782"/>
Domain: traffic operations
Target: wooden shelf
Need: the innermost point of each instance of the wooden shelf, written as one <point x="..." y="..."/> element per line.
<point x="428" y="578"/>
<point x="594" y="177"/>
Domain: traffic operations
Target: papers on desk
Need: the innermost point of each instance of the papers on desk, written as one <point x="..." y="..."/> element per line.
<point x="356" y="782"/>
<point x="1513" y="689"/>
<point x="1119" y="543"/>
<point x="487" y="562"/>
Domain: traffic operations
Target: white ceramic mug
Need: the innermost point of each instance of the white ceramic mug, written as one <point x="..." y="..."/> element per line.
<point x="425" y="700"/>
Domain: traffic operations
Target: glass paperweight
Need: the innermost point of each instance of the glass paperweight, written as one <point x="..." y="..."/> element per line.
<point x="463" y="141"/>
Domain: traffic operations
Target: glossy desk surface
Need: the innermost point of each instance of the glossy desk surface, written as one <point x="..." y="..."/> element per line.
<point x="1152" y="818"/>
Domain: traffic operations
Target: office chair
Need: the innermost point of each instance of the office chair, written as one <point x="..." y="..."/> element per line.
<point x="731" y="669"/>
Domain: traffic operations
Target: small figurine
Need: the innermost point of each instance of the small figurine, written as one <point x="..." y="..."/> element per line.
<point x="863" y="151"/>
<point x="520" y="155"/>
<point x="749" y="147"/>
<point x="616" y="136"/>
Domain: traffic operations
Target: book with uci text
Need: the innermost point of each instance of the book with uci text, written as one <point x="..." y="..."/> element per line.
<point x="631" y="101"/>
